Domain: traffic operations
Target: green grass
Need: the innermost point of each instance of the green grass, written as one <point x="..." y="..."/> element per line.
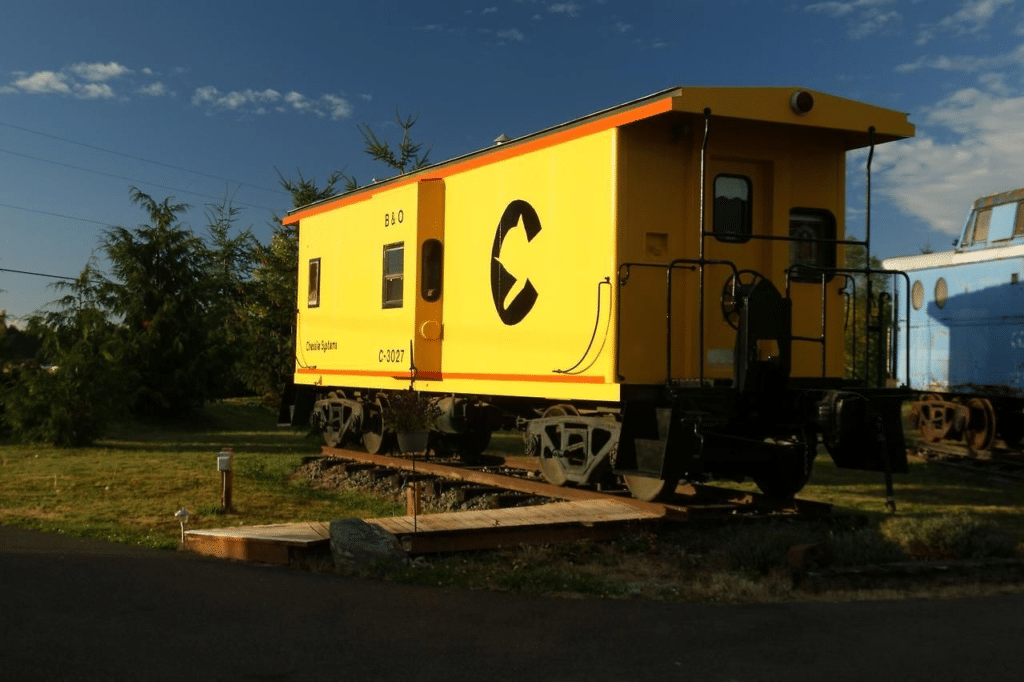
<point x="126" y="488"/>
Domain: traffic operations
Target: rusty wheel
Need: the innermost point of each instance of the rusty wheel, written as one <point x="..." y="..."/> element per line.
<point x="376" y="439"/>
<point x="934" y="418"/>
<point x="981" y="427"/>
<point x="649" y="489"/>
<point x="550" y="465"/>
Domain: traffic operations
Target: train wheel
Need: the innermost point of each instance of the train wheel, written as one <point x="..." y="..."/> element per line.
<point x="550" y="465"/>
<point x="649" y="489"/>
<point x="981" y="427"/>
<point x="332" y="427"/>
<point x="376" y="439"/>
<point x="934" y="419"/>
<point x="792" y="471"/>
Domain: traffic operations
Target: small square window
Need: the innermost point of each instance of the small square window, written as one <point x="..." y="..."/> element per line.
<point x="313" y="299"/>
<point x="394" y="270"/>
<point x="813" y="231"/>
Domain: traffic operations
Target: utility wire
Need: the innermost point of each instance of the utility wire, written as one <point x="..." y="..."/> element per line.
<point x="39" y="274"/>
<point x="139" y="158"/>
<point x="57" y="215"/>
<point x="118" y="177"/>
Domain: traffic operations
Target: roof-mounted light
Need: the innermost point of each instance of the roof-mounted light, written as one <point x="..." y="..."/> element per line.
<point x="801" y="102"/>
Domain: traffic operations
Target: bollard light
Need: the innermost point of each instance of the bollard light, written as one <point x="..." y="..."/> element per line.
<point x="182" y="516"/>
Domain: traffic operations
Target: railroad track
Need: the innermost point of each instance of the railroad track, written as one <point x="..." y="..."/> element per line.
<point x="997" y="462"/>
<point x="516" y="480"/>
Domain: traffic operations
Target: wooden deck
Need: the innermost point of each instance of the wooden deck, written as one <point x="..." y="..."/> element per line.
<point x="427" y="533"/>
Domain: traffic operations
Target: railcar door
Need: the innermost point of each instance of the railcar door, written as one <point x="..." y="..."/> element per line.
<point x="739" y="205"/>
<point x="429" y="327"/>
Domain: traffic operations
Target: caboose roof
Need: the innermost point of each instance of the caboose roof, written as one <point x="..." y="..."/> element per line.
<point x="850" y="119"/>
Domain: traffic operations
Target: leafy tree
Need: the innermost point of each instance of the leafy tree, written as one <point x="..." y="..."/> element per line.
<point x="406" y="155"/>
<point x="77" y="386"/>
<point x="162" y="297"/>
<point x="230" y="264"/>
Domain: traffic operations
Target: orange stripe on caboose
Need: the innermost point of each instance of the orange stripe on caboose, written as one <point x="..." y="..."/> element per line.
<point x="436" y="376"/>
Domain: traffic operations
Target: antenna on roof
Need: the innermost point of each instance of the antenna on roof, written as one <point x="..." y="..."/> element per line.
<point x="501" y="139"/>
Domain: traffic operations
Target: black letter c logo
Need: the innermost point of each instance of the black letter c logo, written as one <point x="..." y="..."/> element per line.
<point x="501" y="279"/>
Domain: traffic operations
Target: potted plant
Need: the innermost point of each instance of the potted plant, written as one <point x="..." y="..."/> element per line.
<point x="411" y="415"/>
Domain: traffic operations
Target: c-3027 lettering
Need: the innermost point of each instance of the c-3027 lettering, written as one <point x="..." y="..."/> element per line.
<point x="393" y="355"/>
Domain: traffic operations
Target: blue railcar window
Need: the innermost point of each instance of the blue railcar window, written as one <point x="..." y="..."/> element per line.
<point x="313" y="297"/>
<point x="732" y="220"/>
<point x="1001" y="222"/>
<point x="941" y="292"/>
<point x="917" y="295"/>
<point x="394" y="270"/>
<point x="981" y="223"/>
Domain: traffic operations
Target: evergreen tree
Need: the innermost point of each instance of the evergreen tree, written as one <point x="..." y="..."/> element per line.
<point x="162" y="297"/>
<point x="76" y="386"/>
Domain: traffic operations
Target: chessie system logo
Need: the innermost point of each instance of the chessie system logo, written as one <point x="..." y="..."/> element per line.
<point x="516" y="213"/>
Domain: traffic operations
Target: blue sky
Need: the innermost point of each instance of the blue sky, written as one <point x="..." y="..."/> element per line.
<point x="199" y="100"/>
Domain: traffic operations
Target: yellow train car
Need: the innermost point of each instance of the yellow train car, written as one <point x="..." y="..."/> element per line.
<point x="652" y="292"/>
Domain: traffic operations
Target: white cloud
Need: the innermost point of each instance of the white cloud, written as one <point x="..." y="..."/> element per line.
<point x="156" y="89"/>
<point x="511" y="34"/>
<point x="489" y="10"/>
<point x="966" y="64"/>
<point x="969" y="145"/>
<point x="571" y="9"/>
<point x="99" y="72"/>
<point x="44" y="82"/>
<point x="260" y="102"/>
<point x="622" y="27"/>
<point x="94" y="91"/>
<point x="864" y="17"/>
<point x="972" y="18"/>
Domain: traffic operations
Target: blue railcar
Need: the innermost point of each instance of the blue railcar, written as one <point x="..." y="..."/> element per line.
<point x="966" y="321"/>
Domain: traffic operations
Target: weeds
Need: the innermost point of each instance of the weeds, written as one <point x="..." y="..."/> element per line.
<point x="957" y="536"/>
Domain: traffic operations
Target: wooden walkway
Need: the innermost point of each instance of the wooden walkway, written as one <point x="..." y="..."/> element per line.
<point x="428" y="533"/>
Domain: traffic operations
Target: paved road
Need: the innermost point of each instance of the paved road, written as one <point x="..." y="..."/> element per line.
<point x="82" y="609"/>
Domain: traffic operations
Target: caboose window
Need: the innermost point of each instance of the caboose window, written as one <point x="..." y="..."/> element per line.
<point x="808" y="227"/>
<point x="432" y="266"/>
<point x="732" y="217"/>
<point x="313" y="298"/>
<point x="394" y="270"/>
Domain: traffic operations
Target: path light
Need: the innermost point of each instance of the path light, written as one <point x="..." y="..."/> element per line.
<point x="182" y="516"/>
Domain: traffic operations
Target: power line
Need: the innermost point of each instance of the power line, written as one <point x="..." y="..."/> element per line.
<point x="57" y="215"/>
<point x="118" y="177"/>
<point x="139" y="158"/>
<point x="39" y="274"/>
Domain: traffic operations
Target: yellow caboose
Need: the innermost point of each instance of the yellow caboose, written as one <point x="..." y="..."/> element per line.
<point x="652" y="292"/>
